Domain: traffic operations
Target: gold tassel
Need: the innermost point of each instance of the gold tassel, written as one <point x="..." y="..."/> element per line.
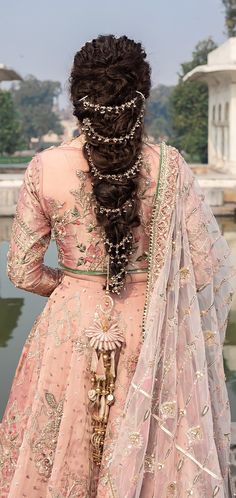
<point x="102" y="406"/>
<point x="112" y="368"/>
<point x="100" y="371"/>
<point x="103" y="368"/>
<point x="106" y="412"/>
<point x="98" y="391"/>
<point x="94" y="361"/>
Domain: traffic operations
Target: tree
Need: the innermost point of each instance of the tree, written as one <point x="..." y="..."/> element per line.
<point x="10" y="129"/>
<point x="230" y="17"/>
<point x="158" y="120"/>
<point x="189" y="107"/>
<point x="34" y="100"/>
<point x="199" y="55"/>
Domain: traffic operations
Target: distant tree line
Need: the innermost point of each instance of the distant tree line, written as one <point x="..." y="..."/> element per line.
<point x="10" y="129"/>
<point x="179" y="114"/>
<point x="230" y="17"/>
<point x="27" y="111"/>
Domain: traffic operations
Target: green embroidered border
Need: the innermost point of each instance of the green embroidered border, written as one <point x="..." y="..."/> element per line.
<point x="160" y="224"/>
<point x="94" y="272"/>
<point x="156" y="206"/>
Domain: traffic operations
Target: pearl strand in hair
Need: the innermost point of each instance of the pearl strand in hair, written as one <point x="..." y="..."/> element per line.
<point x="88" y="130"/>
<point x="117" y="109"/>
<point x="130" y="173"/>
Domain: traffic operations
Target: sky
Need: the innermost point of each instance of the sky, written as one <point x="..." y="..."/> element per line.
<point x="41" y="38"/>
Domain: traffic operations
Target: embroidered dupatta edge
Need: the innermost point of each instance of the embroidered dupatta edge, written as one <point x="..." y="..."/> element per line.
<point x="162" y="212"/>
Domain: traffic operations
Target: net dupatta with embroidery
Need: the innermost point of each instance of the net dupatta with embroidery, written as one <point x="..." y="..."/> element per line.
<point x="174" y="437"/>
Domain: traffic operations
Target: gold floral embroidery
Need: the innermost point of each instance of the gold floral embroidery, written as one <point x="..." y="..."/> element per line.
<point x="169" y="360"/>
<point x="66" y="312"/>
<point x="78" y="489"/>
<point x="132" y="362"/>
<point x="168" y="409"/>
<point x="149" y="464"/>
<point x="194" y="433"/>
<point x="190" y="348"/>
<point x="184" y="275"/>
<point x="199" y="374"/>
<point x="171" y="490"/>
<point x="9" y="440"/>
<point x="71" y="485"/>
<point x="136" y="439"/>
<point x="135" y="478"/>
<point x="60" y="220"/>
<point x="209" y="336"/>
<point x="82" y="197"/>
<point x="164" y="205"/>
<point x="30" y="238"/>
<point x="146" y="183"/>
<point x="44" y="444"/>
<point x="80" y="345"/>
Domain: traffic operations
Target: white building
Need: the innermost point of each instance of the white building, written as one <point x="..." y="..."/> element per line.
<point x="220" y="74"/>
<point x="219" y="179"/>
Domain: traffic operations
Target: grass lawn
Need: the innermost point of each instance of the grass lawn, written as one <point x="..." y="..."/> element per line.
<point x="14" y="159"/>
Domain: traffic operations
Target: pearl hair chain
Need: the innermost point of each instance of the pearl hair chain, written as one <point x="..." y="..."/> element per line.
<point x="89" y="130"/>
<point x="104" y="210"/>
<point x="117" y="109"/>
<point x="119" y="177"/>
<point x="116" y="252"/>
<point x="121" y="259"/>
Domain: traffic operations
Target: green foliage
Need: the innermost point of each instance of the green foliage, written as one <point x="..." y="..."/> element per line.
<point x="230" y="17"/>
<point x="10" y="130"/>
<point x="34" y="100"/>
<point x="158" y="120"/>
<point x="189" y="108"/>
<point x="190" y="119"/>
<point x="199" y="55"/>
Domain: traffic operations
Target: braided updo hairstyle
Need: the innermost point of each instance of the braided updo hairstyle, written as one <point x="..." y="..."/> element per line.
<point x="110" y="71"/>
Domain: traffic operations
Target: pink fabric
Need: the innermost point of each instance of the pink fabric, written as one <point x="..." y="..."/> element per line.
<point x="174" y="435"/>
<point x="44" y="435"/>
<point x="44" y="449"/>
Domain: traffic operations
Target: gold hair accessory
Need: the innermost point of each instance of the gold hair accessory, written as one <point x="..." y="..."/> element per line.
<point x="109" y="109"/>
<point x="88" y="129"/>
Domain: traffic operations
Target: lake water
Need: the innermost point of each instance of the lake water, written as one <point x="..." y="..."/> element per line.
<point x="18" y="310"/>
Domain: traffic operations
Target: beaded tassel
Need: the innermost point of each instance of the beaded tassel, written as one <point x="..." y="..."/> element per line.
<point x="105" y="339"/>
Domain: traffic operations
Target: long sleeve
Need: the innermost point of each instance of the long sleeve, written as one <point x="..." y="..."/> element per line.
<point x="30" y="238"/>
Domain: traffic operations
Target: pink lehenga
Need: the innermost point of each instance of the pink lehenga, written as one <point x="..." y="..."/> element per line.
<point x="168" y="430"/>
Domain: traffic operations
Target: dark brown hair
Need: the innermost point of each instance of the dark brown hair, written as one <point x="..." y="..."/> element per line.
<point x="109" y="71"/>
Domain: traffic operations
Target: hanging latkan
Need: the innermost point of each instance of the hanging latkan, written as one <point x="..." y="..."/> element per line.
<point x="105" y="338"/>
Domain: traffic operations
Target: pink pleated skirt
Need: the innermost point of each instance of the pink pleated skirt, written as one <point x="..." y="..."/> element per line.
<point x="46" y="427"/>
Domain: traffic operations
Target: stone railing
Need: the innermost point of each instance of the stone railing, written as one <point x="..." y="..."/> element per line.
<point x="9" y="191"/>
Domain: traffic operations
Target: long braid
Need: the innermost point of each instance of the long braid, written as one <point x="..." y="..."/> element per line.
<point x="109" y="71"/>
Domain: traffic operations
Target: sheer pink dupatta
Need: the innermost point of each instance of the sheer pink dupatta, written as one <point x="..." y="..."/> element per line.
<point x="174" y="436"/>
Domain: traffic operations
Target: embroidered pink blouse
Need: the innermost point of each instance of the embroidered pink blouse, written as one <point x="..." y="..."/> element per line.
<point x="56" y="202"/>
